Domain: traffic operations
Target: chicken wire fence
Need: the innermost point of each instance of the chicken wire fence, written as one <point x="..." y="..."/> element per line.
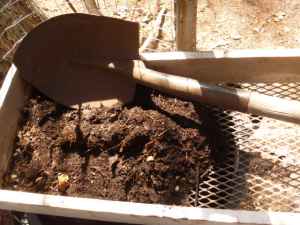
<point x="261" y="170"/>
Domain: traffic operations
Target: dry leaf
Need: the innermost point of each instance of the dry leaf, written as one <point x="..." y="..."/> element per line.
<point x="150" y="158"/>
<point x="63" y="182"/>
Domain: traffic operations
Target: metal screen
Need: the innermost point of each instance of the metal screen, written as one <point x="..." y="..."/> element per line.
<point x="262" y="168"/>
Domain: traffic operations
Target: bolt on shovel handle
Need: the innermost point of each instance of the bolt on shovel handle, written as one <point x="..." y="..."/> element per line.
<point x="232" y="99"/>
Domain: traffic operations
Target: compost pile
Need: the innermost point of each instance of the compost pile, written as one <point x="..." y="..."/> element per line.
<point x="150" y="151"/>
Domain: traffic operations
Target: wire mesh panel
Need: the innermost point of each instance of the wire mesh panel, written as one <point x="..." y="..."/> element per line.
<point x="261" y="170"/>
<point x="17" y="18"/>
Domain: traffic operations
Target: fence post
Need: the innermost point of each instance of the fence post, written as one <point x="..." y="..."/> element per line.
<point x="185" y="20"/>
<point x="92" y="7"/>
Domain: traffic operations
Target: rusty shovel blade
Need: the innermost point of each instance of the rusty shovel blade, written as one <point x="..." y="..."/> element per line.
<point x="45" y="56"/>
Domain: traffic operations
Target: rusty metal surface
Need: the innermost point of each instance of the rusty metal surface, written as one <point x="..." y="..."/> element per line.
<point x="45" y="55"/>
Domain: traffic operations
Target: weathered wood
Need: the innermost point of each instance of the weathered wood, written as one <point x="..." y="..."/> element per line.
<point x="92" y="7"/>
<point x="137" y="213"/>
<point x="230" y="99"/>
<point x="188" y="89"/>
<point x="71" y="5"/>
<point x="230" y="66"/>
<point x="11" y="101"/>
<point x="186" y="21"/>
<point x="152" y="39"/>
<point x="12" y="97"/>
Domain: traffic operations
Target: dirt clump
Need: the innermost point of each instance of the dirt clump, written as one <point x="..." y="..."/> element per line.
<point x="150" y="151"/>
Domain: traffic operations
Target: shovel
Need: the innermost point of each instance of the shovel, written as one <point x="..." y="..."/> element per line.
<point x="85" y="59"/>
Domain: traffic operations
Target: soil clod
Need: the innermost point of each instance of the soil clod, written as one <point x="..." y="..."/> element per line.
<point x="144" y="153"/>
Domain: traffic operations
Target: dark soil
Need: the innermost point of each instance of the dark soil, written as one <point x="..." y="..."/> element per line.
<point x="150" y="151"/>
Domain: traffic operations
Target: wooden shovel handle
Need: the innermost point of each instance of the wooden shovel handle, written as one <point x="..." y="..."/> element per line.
<point x="274" y="107"/>
<point x="232" y="99"/>
<point x="190" y="89"/>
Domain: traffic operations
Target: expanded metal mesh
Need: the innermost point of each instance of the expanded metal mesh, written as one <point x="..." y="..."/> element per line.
<point x="261" y="170"/>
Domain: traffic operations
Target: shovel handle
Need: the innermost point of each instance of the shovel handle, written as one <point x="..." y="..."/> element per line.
<point x="232" y="99"/>
<point x="274" y="107"/>
<point x="227" y="98"/>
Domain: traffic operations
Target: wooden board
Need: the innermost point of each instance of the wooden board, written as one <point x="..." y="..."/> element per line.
<point x="136" y="213"/>
<point x="12" y="98"/>
<point x="230" y="66"/>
